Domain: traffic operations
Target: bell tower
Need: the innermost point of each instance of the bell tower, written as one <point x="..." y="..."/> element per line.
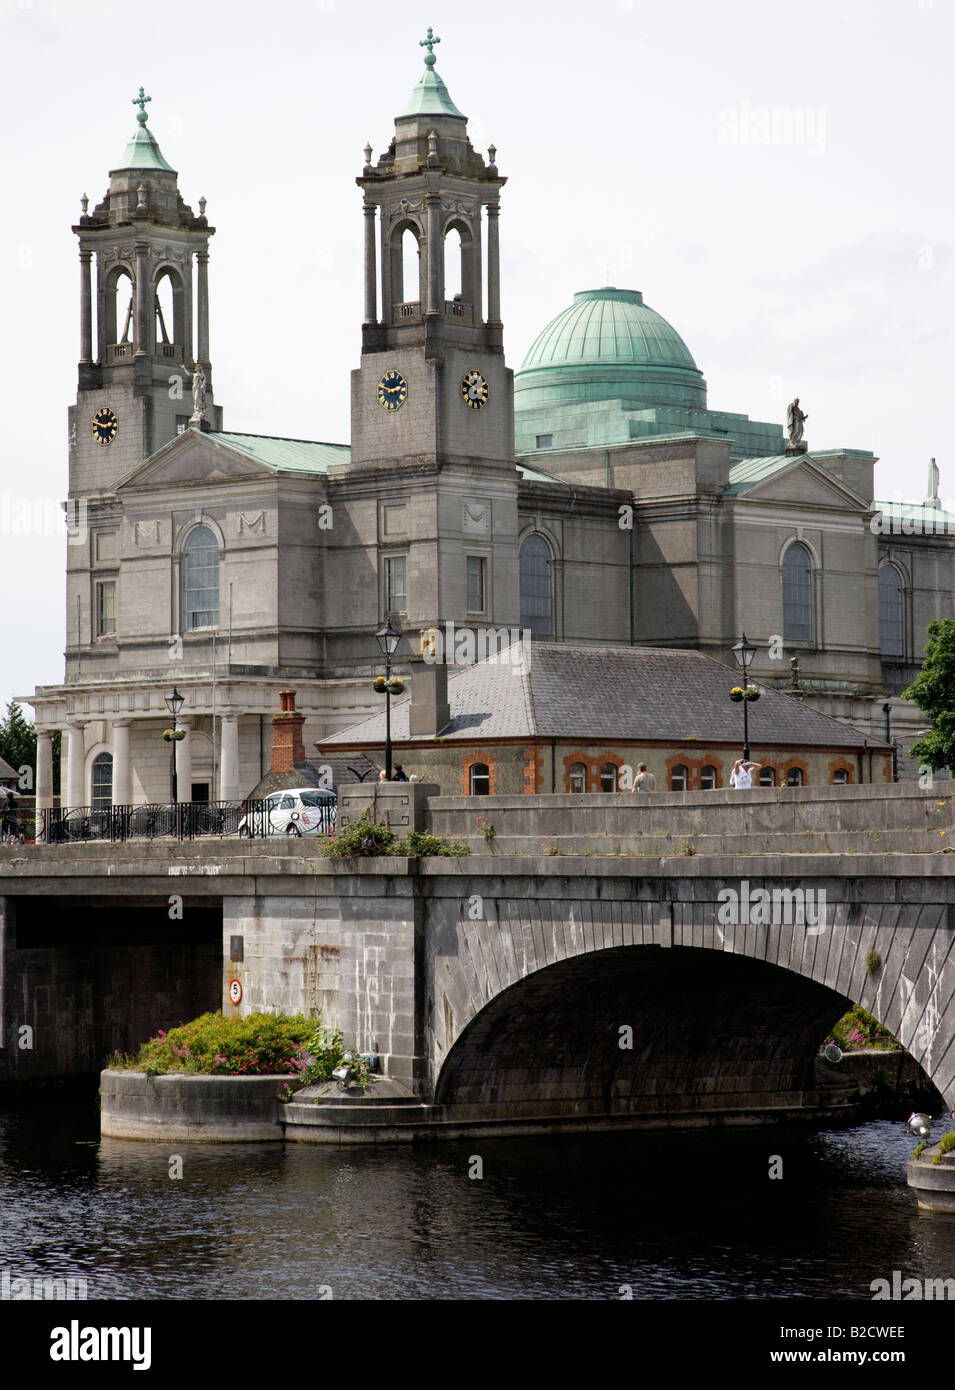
<point x="137" y="250"/>
<point x="433" y="385"/>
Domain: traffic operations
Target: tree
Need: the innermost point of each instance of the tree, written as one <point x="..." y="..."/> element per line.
<point x="933" y="690"/>
<point x="18" y="745"/>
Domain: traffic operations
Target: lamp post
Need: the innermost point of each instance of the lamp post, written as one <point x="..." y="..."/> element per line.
<point x="744" y="651"/>
<point x="175" y="702"/>
<point x="388" y="640"/>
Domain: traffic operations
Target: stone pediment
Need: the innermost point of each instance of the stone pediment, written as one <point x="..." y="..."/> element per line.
<point x="192" y="458"/>
<point x="804" y="484"/>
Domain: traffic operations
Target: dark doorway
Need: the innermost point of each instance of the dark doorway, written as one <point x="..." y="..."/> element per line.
<point x="200" y="791"/>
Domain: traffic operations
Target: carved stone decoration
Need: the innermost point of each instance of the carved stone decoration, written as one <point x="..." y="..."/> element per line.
<point x="404" y="206"/>
<point x="255" y="523"/>
<point x="458" y="205"/>
<point x="146" y="533"/>
<point x="476" y="520"/>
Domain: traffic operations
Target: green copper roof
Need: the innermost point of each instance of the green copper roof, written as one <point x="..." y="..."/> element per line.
<point x="430" y="97"/>
<point x="285" y="455"/>
<point x="749" y="471"/>
<point x="142" y="152"/>
<point x="610" y="327"/>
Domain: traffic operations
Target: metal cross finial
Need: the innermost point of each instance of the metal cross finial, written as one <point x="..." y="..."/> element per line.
<point x="140" y="101"/>
<point x="429" y="44"/>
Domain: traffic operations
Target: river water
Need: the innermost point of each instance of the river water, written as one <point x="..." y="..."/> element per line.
<point x="687" y="1215"/>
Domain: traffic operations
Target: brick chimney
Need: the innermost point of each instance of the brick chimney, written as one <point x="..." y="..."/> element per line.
<point x="288" y="747"/>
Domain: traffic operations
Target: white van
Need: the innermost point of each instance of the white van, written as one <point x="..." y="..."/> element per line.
<point x="298" y="811"/>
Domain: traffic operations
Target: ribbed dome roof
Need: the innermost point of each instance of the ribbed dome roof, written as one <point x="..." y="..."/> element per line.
<point x="609" y="326"/>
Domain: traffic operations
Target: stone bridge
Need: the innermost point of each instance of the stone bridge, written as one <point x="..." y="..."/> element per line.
<point x="682" y="958"/>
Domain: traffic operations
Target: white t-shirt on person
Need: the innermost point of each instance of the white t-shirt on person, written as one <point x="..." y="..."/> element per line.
<point x="742" y="778"/>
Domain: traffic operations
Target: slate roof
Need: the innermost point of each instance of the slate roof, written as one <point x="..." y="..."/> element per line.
<point x="7" y="773"/>
<point x="605" y="694"/>
<point x="748" y="472"/>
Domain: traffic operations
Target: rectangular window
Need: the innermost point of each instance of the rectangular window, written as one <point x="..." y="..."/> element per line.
<point x="545" y="441"/>
<point x="476" y="585"/>
<point x="105" y="607"/>
<point x="396" y="584"/>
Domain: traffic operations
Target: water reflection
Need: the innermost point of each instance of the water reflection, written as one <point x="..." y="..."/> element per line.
<point x="685" y="1215"/>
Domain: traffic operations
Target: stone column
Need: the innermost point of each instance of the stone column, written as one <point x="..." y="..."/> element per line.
<point x="143" y="337"/>
<point x="371" y="270"/>
<point x="44" y="778"/>
<point x="229" y="758"/>
<point x="184" y="762"/>
<point x="387" y="279"/>
<point x="435" y="251"/>
<point x="493" y="264"/>
<point x="86" y="307"/>
<point x="202" y="307"/>
<point x="122" y="768"/>
<point x="477" y="273"/>
<point x="73" y="794"/>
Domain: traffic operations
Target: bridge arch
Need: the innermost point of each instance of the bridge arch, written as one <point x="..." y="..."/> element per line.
<point x="525" y="1005"/>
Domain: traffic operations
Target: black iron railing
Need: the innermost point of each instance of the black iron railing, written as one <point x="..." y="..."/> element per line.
<point x="188" y="820"/>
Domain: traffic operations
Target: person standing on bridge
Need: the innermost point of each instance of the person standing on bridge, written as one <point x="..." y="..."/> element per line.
<point x="644" y="780"/>
<point x="743" y="773"/>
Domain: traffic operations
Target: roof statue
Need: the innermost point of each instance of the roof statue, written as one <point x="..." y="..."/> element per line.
<point x="931" y="492"/>
<point x="795" y="419"/>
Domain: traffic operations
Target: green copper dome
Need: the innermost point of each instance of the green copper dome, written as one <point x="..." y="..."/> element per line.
<point x="609" y="345"/>
<point x="142" y="152"/>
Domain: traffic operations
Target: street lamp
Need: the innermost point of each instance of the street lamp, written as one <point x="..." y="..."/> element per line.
<point x="175" y="702"/>
<point x="744" y="651"/>
<point x="388" y="640"/>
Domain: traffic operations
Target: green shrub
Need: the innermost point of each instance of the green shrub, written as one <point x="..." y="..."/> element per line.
<point x="365" y="837"/>
<point x="261" y="1044"/>
<point x="873" y="962"/>
<point x="919" y="1149"/>
<point x="417" y="844"/>
<point x="945" y="1145"/>
<point x="362" y="837"/>
<point x="857" y="1029"/>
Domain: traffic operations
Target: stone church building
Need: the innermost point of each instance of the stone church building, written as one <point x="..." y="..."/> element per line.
<point x="593" y="499"/>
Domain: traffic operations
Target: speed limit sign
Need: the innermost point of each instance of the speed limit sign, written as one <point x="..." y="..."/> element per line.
<point x="235" y="991"/>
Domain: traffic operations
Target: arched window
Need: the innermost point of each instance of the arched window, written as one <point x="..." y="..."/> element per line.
<point x="794" y="777"/>
<point x="536" y="587"/>
<point x="577" y="777"/>
<point x="608" y="778"/>
<point x="480" y="779"/>
<point x="200" y="580"/>
<point x="708" y="777"/>
<point x="891" y="612"/>
<point x="101" y="792"/>
<point x="409" y="289"/>
<point x="678" y="778"/>
<point x="767" y="777"/>
<point x="453" y="264"/>
<point x="840" y="777"/>
<point x="797" y="594"/>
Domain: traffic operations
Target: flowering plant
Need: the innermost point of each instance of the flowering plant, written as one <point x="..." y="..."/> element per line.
<point x="737" y="693"/>
<point x="174" y="735"/>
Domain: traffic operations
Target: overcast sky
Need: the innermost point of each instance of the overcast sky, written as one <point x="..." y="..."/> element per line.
<point x="645" y="146"/>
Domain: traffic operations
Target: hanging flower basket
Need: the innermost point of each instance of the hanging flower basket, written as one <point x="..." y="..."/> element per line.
<point x="737" y="693"/>
<point x="395" y="686"/>
<point x="174" y="735"/>
<point x="380" y="684"/>
<point x="751" y="692"/>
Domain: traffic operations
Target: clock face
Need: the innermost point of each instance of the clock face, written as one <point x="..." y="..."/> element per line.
<point x="105" y="425"/>
<point x="392" y="390"/>
<point x="474" y="390"/>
